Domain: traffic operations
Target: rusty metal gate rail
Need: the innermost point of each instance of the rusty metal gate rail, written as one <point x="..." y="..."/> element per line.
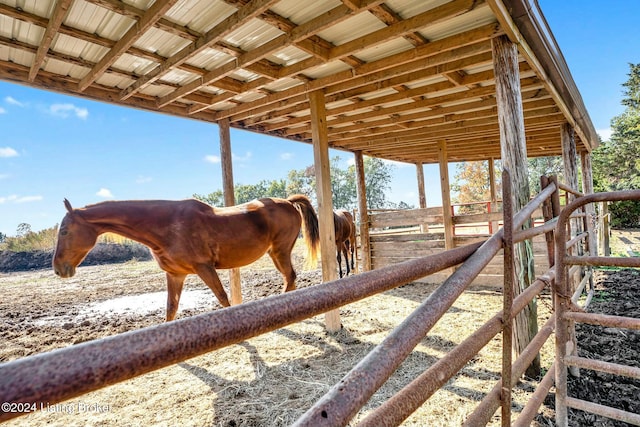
<point x="567" y="313"/>
<point x="72" y="371"/>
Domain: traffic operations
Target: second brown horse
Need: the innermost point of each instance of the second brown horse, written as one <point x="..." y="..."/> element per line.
<point x="345" y="238"/>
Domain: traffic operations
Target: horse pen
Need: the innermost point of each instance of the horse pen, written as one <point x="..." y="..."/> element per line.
<point x="275" y="378"/>
<point x="418" y="82"/>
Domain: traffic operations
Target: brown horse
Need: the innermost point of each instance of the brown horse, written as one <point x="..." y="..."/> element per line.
<point x="190" y="237"/>
<point x="345" y="237"/>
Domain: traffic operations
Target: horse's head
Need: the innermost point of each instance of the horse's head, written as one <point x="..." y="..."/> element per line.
<point x="76" y="237"/>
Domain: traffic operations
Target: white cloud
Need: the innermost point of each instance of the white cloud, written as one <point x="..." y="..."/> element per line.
<point x="605" y="134"/>
<point x="286" y="156"/>
<point x="143" y="179"/>
<point x="212" y="159"/>
<point x="4" y="175"/>
<point x="27" y="199"/>
<point x="105" y="192"/>
<point x="8" y="152"/>
<point x="244" y="158"/>
<point x="65" y="110"/>
<point x="2" y="110"/>
<point x="11" y="100"/>
<point x="19" y="199"/>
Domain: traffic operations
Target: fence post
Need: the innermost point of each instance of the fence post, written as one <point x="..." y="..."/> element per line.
<point x="507" y="295"/>
<point x="547" y="215"/>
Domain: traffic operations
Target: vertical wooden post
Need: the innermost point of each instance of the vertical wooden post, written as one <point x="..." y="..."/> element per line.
<point x="547" y="214"/>
<point x="513" y="150"/>
<point x="570" y="161"/>
<point x="604" y="229"/>
<point x="229" y="200"/>
<point x="422" y="197"/>
<point x="365" y="251"/>
<point x="320" y="138"/>
<point x="587" y="188"/>
<point x="493" y="204"/>
<point x="446" y="195"/>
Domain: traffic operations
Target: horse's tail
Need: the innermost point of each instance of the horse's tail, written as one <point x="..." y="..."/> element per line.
<point x="310" y="229"/>
<point x="352" y="235"/>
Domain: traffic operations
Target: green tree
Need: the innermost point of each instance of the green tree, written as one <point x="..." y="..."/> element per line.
<point x="471" y="181"/>
<point x="246" y="192"/>
<point x="23" y="229"/>
<point x="378" y="175"/>
<point x="616" y="163"/>
<point x="548" y="166"/>
<point x="27" y="240"/>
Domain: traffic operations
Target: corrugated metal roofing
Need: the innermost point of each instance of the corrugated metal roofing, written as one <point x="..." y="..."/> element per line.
<point x="399" y="76"/>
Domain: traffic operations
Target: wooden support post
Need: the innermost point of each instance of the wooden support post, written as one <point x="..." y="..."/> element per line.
<point x="320" y="138"/>
<point x="570" y="160"/>
<point x="547" y="215"/>
<point x="365" y="247"/>
<point x="493" y="204"/>
<point x="513" y="150"/>
<point x="229" y="200"/>
<point x="447" y="216"/>
<point x="422" y="197"/>
<point x="587" y="188"/>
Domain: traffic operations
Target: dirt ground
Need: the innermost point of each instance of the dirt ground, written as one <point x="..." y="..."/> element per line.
<point x="273" y="379"/>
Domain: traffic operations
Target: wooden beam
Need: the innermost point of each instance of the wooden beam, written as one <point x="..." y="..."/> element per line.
<point x="513" y="150"/>
<point x="493" y="226"/>
<point x="325" y="204"/>
<point x="228" y="191"/>
<point x="212" y="36"/>
<point x="445" y="189"/>
<point x="137" y="30"/>
<point x="363" y="209"/>
<point x="587" y="188"/>
<point x="404" y="27"/>
<point x="454" y="47"/>
<point x="58" y="15"/>
<point x="422" y="198"/>
<point x="293" y="36"/>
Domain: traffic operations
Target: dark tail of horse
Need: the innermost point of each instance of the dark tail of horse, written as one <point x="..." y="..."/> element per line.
<point x="310" y="229"/>
<point x="352" y="238"/>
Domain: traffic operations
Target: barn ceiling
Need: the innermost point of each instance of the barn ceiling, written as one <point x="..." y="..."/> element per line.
<point x="399" y="76"/>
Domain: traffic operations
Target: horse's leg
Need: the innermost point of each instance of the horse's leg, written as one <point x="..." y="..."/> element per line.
<point x="282" y="260"/>
<point x="345" y="251"/>
<point x="339" y="258"/>
<point x="209" y="276"/>
<point x="174" y="290"/>
<point x="352" y="247"/>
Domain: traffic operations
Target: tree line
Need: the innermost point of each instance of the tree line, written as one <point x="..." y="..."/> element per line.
<point x="378" y="175"/>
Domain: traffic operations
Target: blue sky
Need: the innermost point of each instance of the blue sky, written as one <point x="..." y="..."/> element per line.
<point x="54" y="146"/>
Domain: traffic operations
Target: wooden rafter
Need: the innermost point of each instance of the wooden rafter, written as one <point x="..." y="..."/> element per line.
<point x="59" y="12"/>
<point x="137" y="30"/>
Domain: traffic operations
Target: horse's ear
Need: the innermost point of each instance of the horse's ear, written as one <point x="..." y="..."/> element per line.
<point x="68" y="206"/>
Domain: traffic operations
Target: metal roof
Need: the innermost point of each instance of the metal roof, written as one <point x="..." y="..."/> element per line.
<point x="399" y="76"/>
